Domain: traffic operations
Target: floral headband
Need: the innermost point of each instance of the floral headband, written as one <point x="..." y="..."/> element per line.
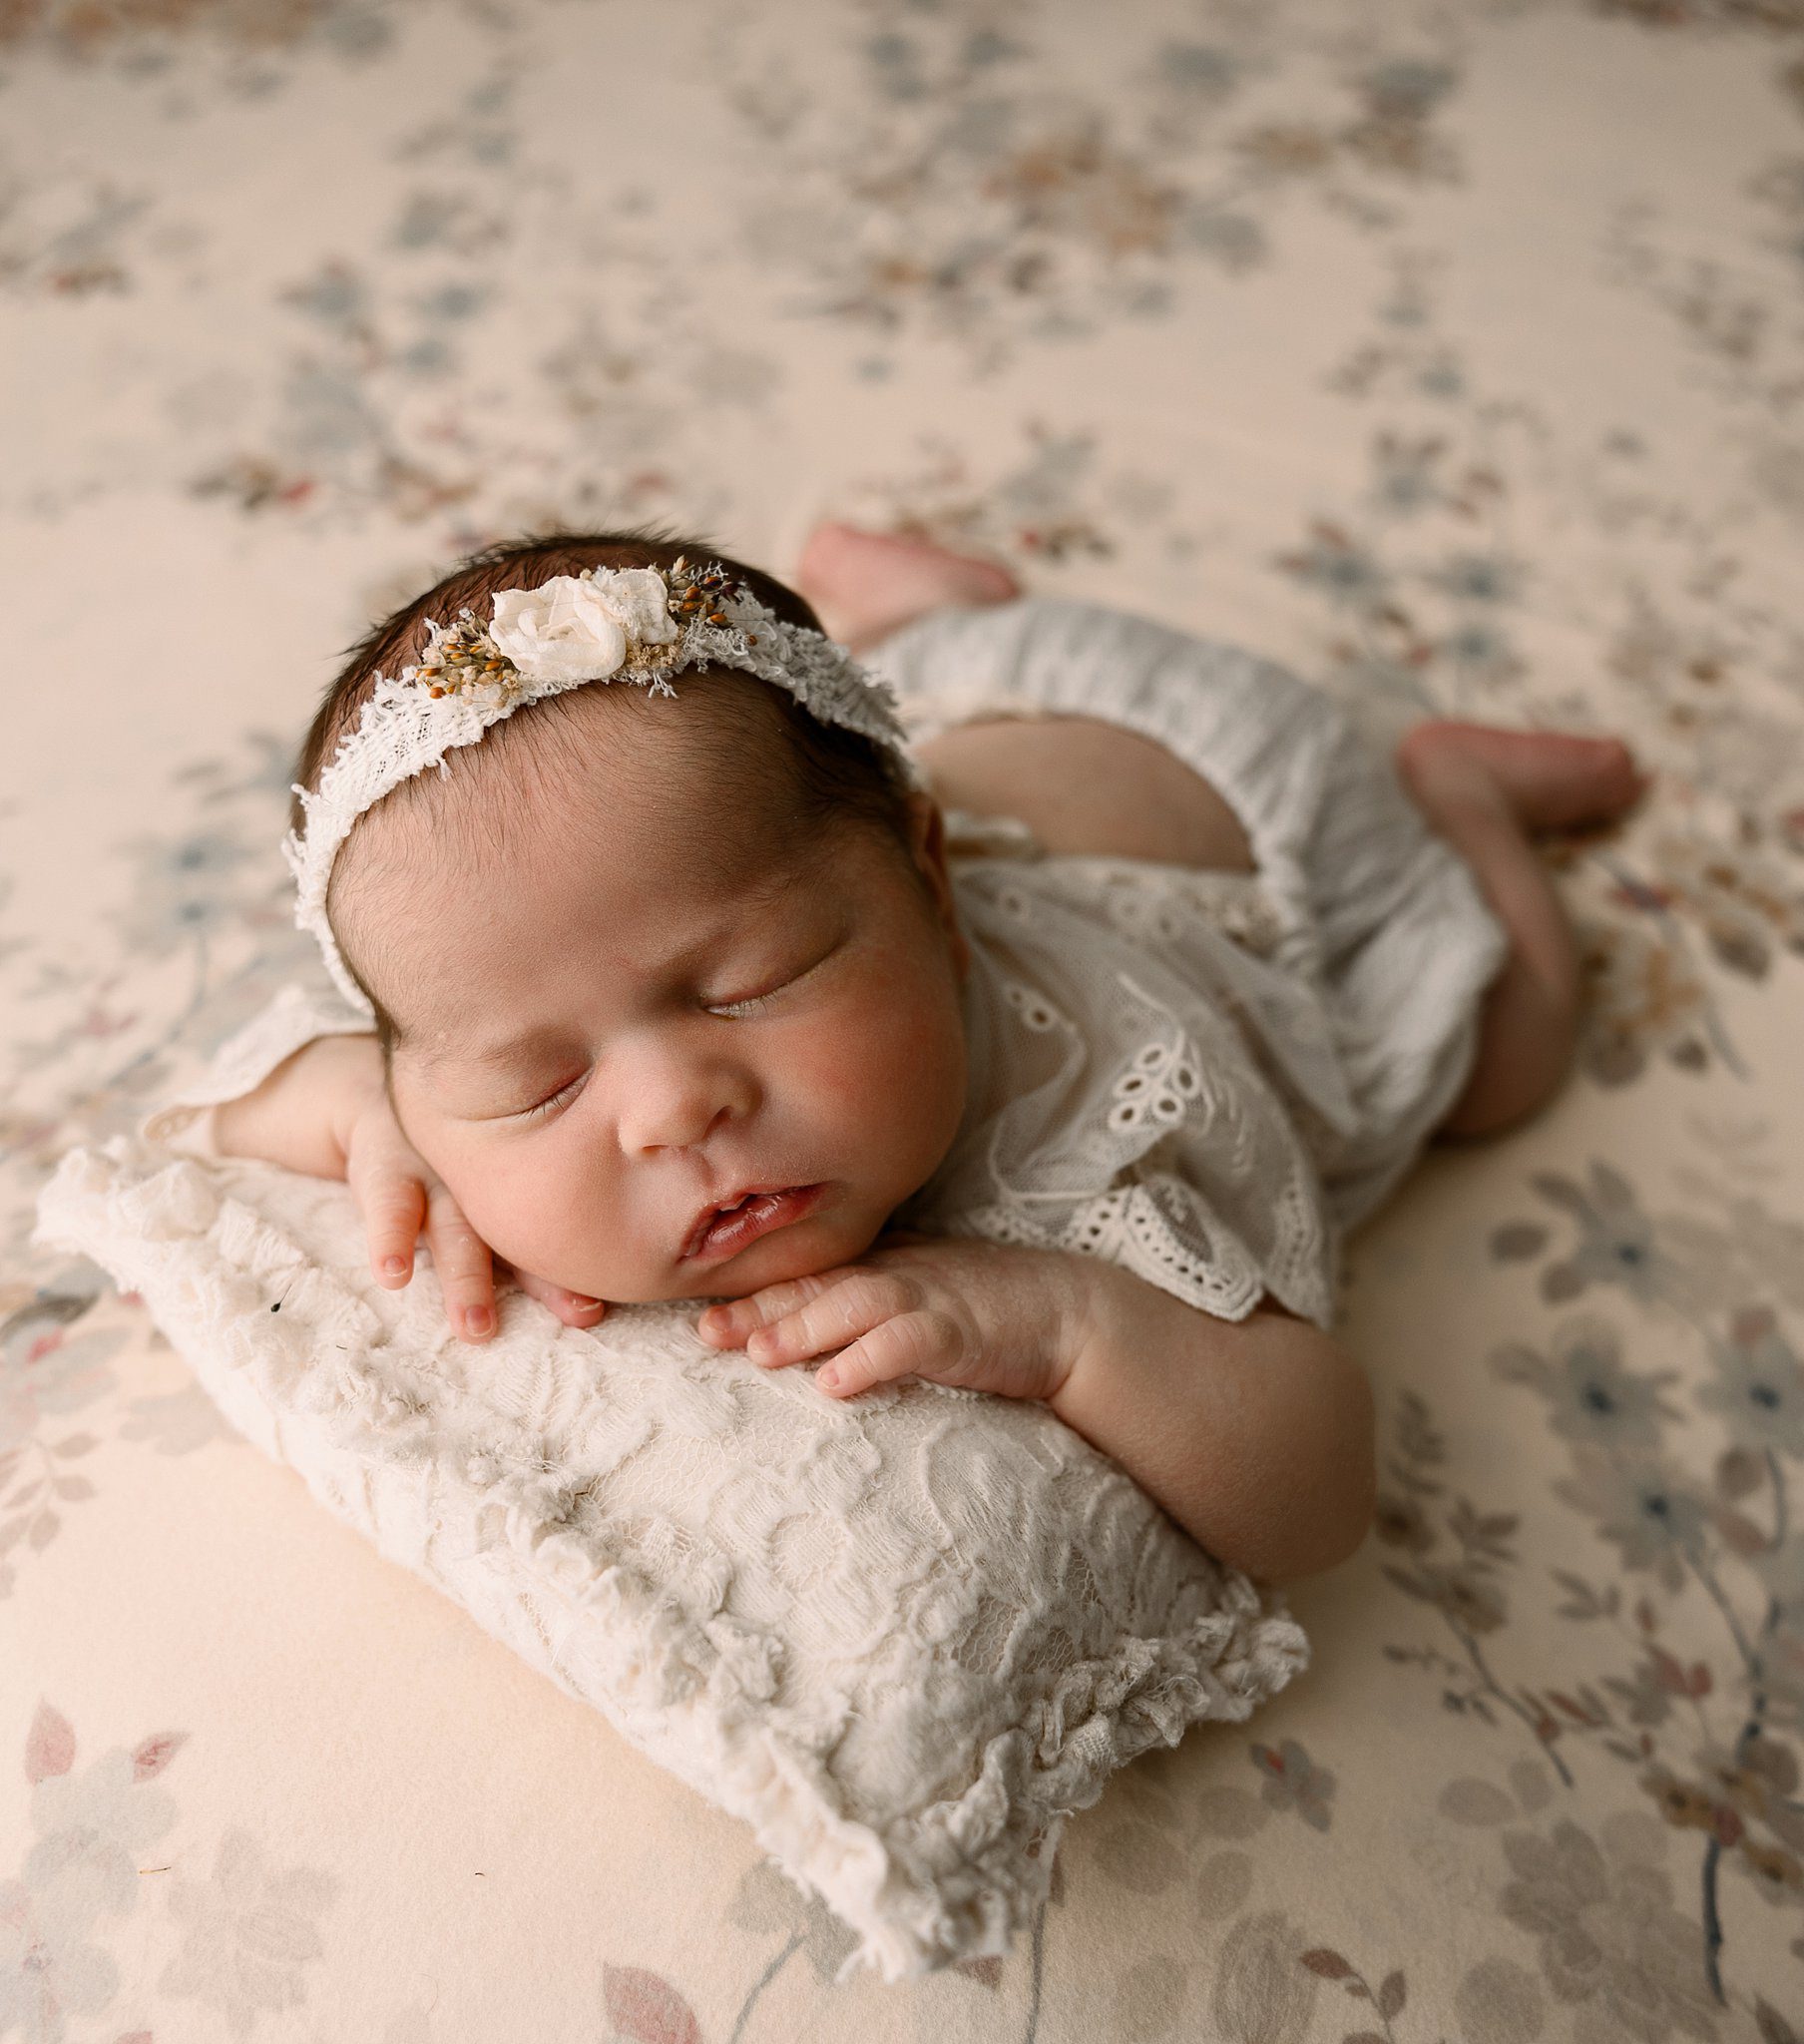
<point x="635" y="625"/>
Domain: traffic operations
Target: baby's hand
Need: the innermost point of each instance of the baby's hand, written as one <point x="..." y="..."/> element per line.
<point x="400" y="1197"/>
<point x="980" y="1314"/>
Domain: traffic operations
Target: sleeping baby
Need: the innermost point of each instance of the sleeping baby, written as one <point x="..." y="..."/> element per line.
<point x="932" y="980"/>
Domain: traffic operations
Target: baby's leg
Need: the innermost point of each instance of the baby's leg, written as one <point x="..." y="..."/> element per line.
<point x="1486" y="790"/>
<point x="866" y="585"/>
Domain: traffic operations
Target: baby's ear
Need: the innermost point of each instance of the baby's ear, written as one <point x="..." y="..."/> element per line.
<point x="927" y="832"/>
<point x="925" y="817"/>
<point x="927" y="836"/>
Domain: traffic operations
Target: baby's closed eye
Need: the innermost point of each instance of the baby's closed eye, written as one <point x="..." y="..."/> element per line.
<point x="748" y="1002"/>
<point x="543" y="1108"/>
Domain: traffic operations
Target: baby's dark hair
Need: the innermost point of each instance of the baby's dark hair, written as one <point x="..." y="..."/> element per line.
<point x="839" y="776"/>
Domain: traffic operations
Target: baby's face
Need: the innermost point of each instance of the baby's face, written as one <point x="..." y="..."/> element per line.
<point x="601" y="1037"/>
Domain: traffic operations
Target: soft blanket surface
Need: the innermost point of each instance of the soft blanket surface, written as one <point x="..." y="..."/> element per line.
<point x="1448" y="353"/>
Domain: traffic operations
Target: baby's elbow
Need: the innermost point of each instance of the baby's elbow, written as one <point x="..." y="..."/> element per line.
<point x="1357" y="1505"/>
<point x="1338" y="1462"/>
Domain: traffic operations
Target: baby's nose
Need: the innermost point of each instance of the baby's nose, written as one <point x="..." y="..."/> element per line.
<point x="672" y="1092"/>
<point x="672" y="1124"/>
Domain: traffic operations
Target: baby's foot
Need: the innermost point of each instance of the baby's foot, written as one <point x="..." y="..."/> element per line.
<point x="865" y="585"/>
<point x="1552" y="781"/>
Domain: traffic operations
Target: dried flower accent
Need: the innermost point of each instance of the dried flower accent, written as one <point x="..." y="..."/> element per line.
<point x="464" y="656"/>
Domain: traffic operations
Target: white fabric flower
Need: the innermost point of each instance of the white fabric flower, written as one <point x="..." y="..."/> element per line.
<point x="576" y="627"/>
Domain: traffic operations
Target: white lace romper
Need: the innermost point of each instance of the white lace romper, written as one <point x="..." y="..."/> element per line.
<point x="1207" y="1077"/>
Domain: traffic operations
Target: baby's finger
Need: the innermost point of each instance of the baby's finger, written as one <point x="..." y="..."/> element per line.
<point x="574" y="1309"/>
<point x="911" y="1345"/>
<point x="730" y="1321"/>
<point x="852" y="1308"/>
<point x="465" y="1273"/>
<point x="392" y="1201"/>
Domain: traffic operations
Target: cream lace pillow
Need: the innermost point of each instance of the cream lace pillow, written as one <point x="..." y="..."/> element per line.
<point x="902" y="1636"/>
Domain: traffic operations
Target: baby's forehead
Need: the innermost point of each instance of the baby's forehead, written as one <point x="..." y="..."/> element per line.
<point x="658" y="834"/>
<point x="720" y="740"/>
<point x="692" y="774"/>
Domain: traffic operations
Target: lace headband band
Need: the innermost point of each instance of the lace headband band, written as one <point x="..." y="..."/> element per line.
<point x="635" y="625"/>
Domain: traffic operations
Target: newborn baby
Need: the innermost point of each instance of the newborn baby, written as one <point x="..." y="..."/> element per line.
<point x="1055" y="1065"/>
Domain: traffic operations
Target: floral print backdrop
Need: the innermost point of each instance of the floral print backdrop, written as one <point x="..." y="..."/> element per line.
<point x="1454" y="352"/>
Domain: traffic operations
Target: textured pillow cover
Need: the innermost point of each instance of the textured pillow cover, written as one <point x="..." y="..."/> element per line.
<point x="902" y="1636"/>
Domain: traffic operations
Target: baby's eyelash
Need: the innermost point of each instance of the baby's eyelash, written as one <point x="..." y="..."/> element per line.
<point x="731" y="1009"/>
<point x="544" y="1106"/>
<point x="736" y="1008"/>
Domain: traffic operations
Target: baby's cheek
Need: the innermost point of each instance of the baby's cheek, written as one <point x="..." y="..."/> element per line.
<point x="833" y="1062"/>
<point x="895" y="1081"/>
<point x="476" y="1194"/>
<point x="523" y="1215"/>
<point x="836" y="1074"/>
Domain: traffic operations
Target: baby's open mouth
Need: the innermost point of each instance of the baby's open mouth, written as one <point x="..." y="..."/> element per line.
<point x="725" y="1231"/>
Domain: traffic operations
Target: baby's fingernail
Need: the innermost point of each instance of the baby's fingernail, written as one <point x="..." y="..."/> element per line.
<point x="392" y="1267"/>
<point x="479" y="1319"/>
<point x="827" y="1378"/>
<point x="762" y="1342"/>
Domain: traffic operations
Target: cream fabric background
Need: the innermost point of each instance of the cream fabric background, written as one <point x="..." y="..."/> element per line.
<point x="1448" y="352"/>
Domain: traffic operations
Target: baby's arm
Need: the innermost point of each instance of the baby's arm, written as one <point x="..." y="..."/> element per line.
<point x="302" y="1114"/>
<point x="1256" y="1435"/>
<point x="325" y="1111"/>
